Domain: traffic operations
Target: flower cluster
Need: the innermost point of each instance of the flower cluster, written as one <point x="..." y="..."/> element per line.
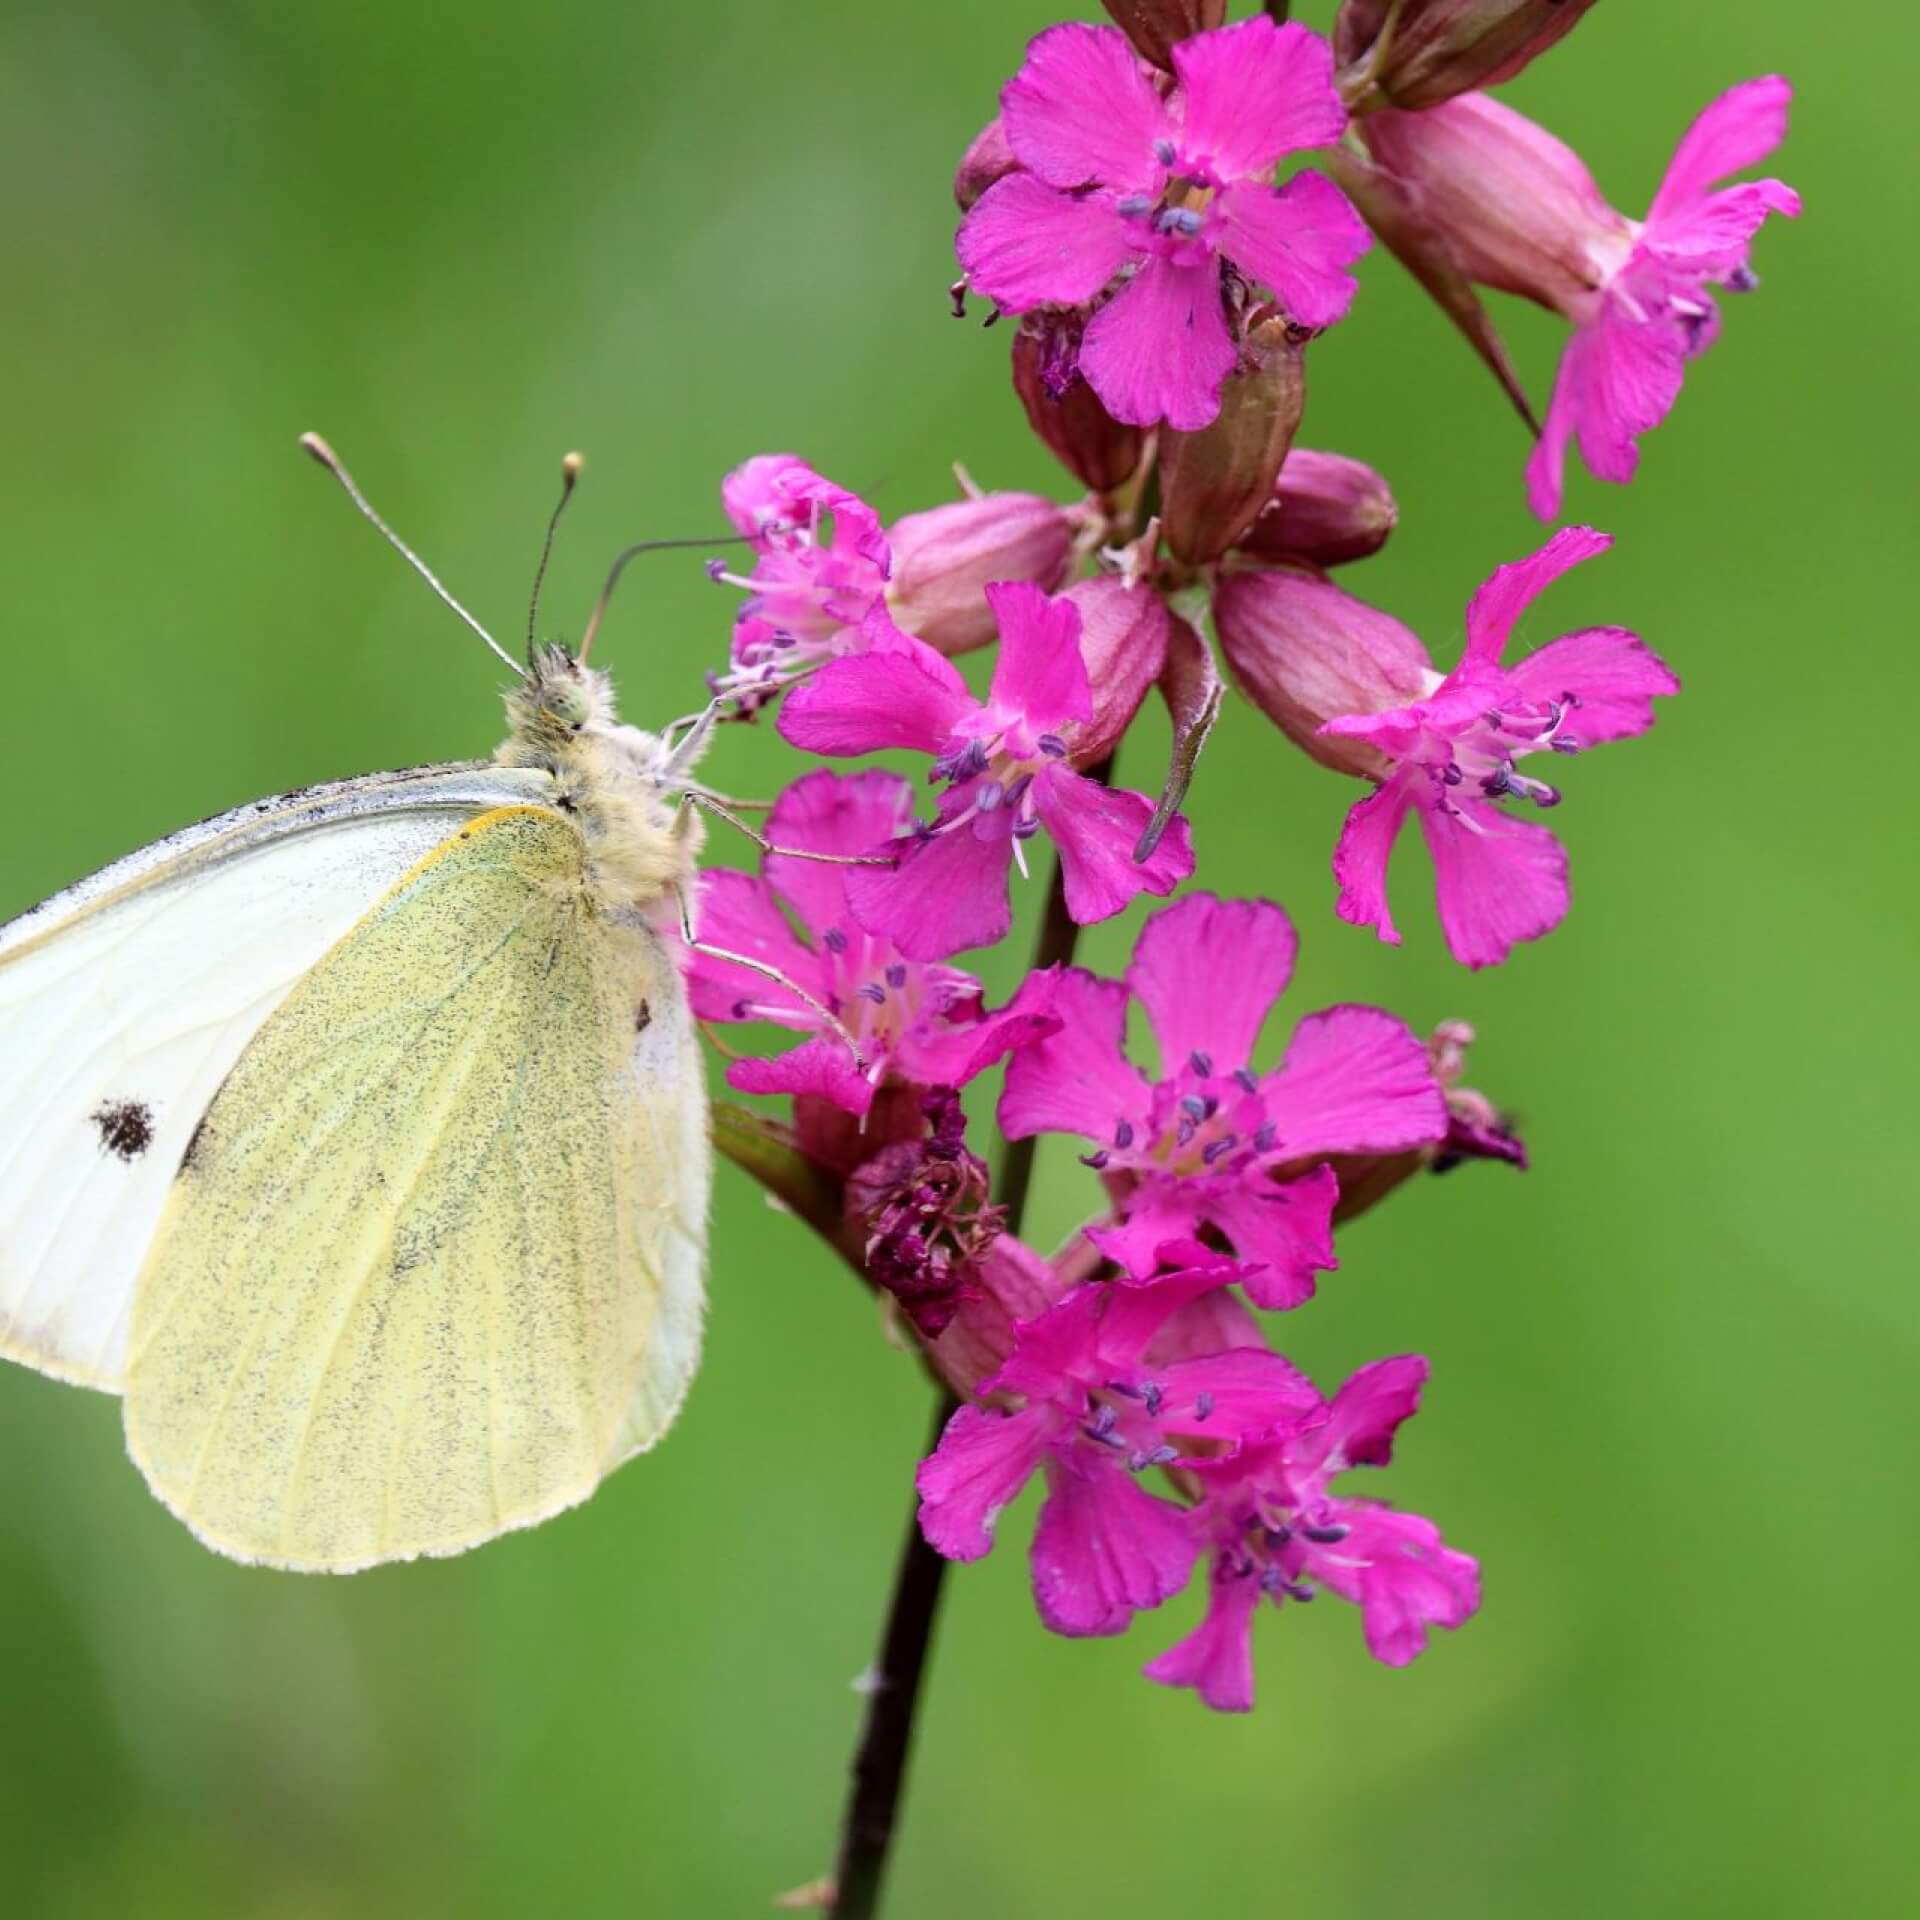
<point x="1128" y="205"/>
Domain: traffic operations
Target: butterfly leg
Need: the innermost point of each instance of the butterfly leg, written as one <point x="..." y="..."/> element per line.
<point x="721" y="809"/>
<point x="696" y="945"/>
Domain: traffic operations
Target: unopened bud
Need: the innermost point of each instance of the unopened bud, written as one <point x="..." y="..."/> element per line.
<point x="1511" y="206"/>
<point x="989" y="158"/>
<point x="1215" y="483"/>
<point x="1064" y="411"/>
<point x="1123" y="639"/>
<point x="1326" y="509"/>
<point x="943" y="559"/>
<point x="1437" y="49"/>
<point x="1305" y="653"/>
<point x="1156" y="27"/>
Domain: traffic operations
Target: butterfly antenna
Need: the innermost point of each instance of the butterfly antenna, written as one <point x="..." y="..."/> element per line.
<point x="326" y="456"/>
<point x="570" y="465"/>
<point x="620" y="566"/>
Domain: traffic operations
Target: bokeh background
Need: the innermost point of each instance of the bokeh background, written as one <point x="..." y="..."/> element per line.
<point x="1675" y="1365"/>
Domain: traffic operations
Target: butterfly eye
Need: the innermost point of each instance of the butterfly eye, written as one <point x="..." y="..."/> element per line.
<point x="567" y="704"/>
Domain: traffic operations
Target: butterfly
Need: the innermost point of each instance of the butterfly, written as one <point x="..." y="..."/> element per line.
<point x="357" y="1138"/>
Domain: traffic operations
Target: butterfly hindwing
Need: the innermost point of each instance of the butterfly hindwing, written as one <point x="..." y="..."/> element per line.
<point x="125" y="1002"/>
<point x="431" y="1266"/>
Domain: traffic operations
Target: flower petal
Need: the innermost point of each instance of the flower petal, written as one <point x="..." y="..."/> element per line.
<point x="1360" y="857"/>
<point x="1040" y="672"/>
<point x="1497" y="880"/>
<point x="1354" y="1080"/>
<point x="1734" y="132"/>
<point x="1284" y="1227"/>
<point x="1401" y="1574"/>
<point x="1216" y="1658"/>
<point x="982" y="1461"/>
<point x="1077" y="1080"/>
<point x="1096" y="829"/>
<point x="1712" y="238"/>
<point x="1547" y="463"/>
<point x="1247" y="1393"/>
<point x="865" y="702"/>
<point x="1104" y="1549"/>
<point x="1623" y="377"/>
<point x="837" y="813"/>
<point x="1298" y="239"/>
<point x="1025" y="245"/>
<point x="1613" y="674"/>
<point x="1208" y="972"/>
<point x="1081" y="112"/>
<point x="738" y="912"/>
<point x="948" y="893"/>
<point x="952" y="1054"/>
<point x="1254" y="91"/>
<point x="1158" y="1215"/>
<point x="1510" y="590"/>
<point x="1159" y="349"/>
<point x="1364" y="1415"/>
<point x="822" y="1067"/>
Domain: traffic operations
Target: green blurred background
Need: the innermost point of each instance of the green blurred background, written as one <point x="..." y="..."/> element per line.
<point x="1675" y="1368"/>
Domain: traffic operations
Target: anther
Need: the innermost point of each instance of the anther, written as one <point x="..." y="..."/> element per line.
<point x="1203" y="1405"/>
<point x="988" y="795"/>
<point x="1564" y="743"/>
<point x="1193" y="1106"/>
<point x="1052" y="745"/>
<point x="1451" y="774"/>
<point x="1025" y="829"/>
<point x="1264" y="1138"/>
<point x="1123" y="1134"/>
<point x="873" y="991"/>
<point x="1201" y="1063"/>
<point x="897" y="974"/>
<point x="1329" y="1536"/>
<point x="717" y="571"/>
<point x="1163" y="151"/>
<point x="1096" y="1160"/>
<point x="1131" y="206"/>
<point x="1277" y="1537"/>
<point x="1224" y="1145"/>
<point x="1181" y="220"/>
<point x="1184" y="1132"/>
<point x="1244" y="1080"/>
<point x="1152" y="1394"/>
<point x="1499" y="781"/>
<point x="834" y="940"/>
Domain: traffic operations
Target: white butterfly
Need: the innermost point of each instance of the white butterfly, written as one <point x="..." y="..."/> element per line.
<point x="358" y="1138"/>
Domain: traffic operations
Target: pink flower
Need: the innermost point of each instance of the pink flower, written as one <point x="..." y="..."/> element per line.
<point x="1114" y="179"/>
<point x="1272" y="1530"/>
<point x="1007" y="765"/>
<point x="916" y="1024"/>
<point x="824" y="567"/>
<point x="822" y="563"/>
<point x="1512" y="207"/>
<point x="1200" y="1145"/>
<point x="1450" y="756"/>
<point x="1094" y="1413"/>
<point x="1651" y="312"/>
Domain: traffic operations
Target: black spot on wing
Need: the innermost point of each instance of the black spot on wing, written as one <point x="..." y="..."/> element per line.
<point x="643" y="1018"/>
<point x="125" y="1128"/>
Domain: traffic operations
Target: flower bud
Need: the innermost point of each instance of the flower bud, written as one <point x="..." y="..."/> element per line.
<point x="943" y="559"/>
<point x="1156" y="26"/>
<point x="1326" y="509"/>
<point x="1304" y="652"/>
<point x="1511" y="206"/>
<point x="1064" y="411"/>
<point x="1441" y="48"/>
<point x="1215" y="483"/>
<point x="988" y="159"/>
<point x="1123" y="639"/>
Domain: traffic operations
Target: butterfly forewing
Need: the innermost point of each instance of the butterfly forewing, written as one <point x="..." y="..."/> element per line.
<point x="432" y="1263"/>
<point x="125" y="1002"/>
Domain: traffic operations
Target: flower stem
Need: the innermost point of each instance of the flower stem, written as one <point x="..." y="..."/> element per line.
<point x="886" y="1739"/>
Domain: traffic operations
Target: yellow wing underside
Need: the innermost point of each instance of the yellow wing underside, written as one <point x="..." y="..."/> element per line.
<point x="432" y="1264"/>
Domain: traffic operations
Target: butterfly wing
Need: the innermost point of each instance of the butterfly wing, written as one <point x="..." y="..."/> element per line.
<point x="126" y="1000"/>
<point x="432" y="1264"/>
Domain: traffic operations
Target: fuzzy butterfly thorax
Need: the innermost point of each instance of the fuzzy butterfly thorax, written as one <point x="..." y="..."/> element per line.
<point x="619" y="783"/>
